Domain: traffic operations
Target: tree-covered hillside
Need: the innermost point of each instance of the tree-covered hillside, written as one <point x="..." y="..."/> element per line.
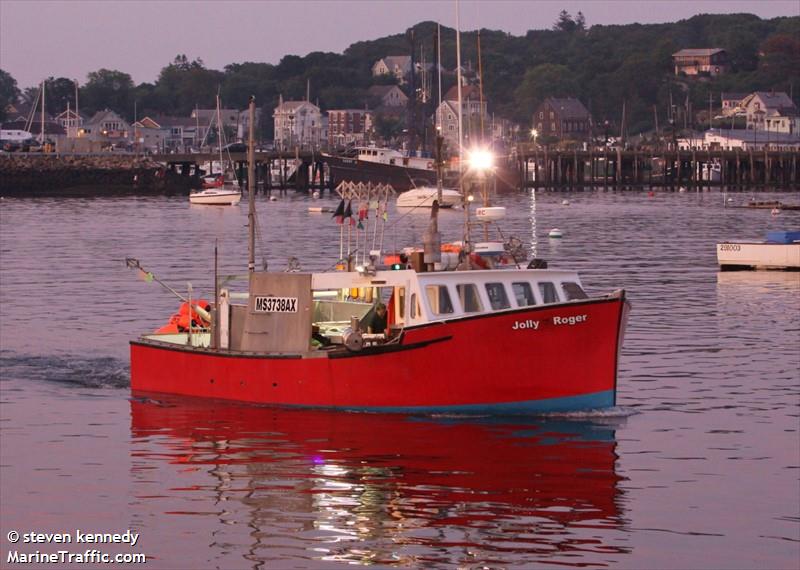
<point x="604" y="66"/>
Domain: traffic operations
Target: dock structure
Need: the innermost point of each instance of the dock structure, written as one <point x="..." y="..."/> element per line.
<point x="287" y="170"/>
<point x="635" y="169"/>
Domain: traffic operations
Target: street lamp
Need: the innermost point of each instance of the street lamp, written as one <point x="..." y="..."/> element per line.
<point x="534" y="134"/>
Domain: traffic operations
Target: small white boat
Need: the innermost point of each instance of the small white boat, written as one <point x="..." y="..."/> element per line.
<point x="424" y="196"/>
<point x="226" y="196"/>
<point x="780" y="251"/>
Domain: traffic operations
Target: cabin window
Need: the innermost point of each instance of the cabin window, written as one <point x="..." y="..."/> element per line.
<point x="523" y="294"/>
<point x="413" y="305"/>
<point x="401" y="303"/>
<point x="497" y="296"/>
<point x="470" y="300"/>
<point x="573" y="291"/>
<point x="439" y="299"/>
<point x="548" y="292"/>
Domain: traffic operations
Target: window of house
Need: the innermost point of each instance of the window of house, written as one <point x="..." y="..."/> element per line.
<point x="439" y="299"/>
<point x="541" y="114"/>
<point x="573" y="291"/>
<point x="552" y="127"/>
<point x="523" y="294"/>
<point x="552" y="115"/>
<point x="497" y="296"/>
<point x="548" y="292"/>
<point x="470" y="300"/>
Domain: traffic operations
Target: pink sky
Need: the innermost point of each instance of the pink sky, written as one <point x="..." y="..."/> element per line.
<point x="39" y="39"/>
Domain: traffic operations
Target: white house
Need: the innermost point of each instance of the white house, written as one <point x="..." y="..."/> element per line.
<point x="297" y="123"/>
<point x="742" y="139"/>
<point x="397" y="65"/>
<point x="770" y="111"/>
<point x="472" y="109"/>
<point x="106" y="126"/>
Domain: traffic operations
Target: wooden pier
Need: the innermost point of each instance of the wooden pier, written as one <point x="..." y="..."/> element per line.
<point x="298" y="170"/>
<point x="632" y="169"/>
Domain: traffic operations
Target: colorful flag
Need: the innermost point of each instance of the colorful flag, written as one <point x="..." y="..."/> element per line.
<point x="339" y="213"/>
<point x="348" y="213"/>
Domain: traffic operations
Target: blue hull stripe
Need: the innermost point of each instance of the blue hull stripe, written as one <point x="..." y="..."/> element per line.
<point x="594" y="401"/>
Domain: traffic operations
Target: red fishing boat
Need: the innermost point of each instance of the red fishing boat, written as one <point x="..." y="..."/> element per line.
<point x="506" y="341"/>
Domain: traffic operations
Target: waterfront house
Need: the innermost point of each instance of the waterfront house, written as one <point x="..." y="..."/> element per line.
<point x="705" y="61"/>
<point x="205" y="119"/>
<point x="771" y="112"/>
<point x="564" y="119"/>
<point x="71" y="122"/>
<point x="243" y="130"/>
<point x="349" y="126"/>
<point x="472" y="109"/>
<point x="297" y="124"/>
<point x="18" y="111"/>
<point x="388" y="96"/>
<point x="149" y="135"/>
<point x="741" y="139"/>
<point x="397" y="65"/>
<point x="731" y="103"/>
<point x="107" y="128"/>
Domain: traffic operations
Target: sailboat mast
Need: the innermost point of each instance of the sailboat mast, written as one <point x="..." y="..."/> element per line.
<point x="460" y="127"/>
<point x="219" y="135"/>
<point x="251" y="188"/>
<point x="41" y="133"/>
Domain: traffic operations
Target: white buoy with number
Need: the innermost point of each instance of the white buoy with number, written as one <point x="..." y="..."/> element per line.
<point x="490" y="213"/>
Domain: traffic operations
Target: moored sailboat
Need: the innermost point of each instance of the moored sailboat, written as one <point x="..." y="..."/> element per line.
<point x="217" y="190"/>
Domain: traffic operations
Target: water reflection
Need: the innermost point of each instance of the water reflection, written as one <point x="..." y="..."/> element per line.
<point x="274" y="485"/>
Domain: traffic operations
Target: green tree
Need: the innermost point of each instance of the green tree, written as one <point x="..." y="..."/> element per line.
<point x="108" y="89"/>
<point x="539" y="83"/>
<point x="58" y="93"/>
<point x="9" y="92"/>
<point x="182" y="85"/>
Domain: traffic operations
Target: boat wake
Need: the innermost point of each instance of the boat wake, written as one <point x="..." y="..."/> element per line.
<point x="614" y="413"/>
<point x="99" y="372"/>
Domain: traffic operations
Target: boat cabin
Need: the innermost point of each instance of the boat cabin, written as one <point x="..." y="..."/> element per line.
<point x="392" y="157"/>
<point x="293" y="313"/>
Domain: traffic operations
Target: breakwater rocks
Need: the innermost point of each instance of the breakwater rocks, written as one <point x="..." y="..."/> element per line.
<point x="23" y="174"/>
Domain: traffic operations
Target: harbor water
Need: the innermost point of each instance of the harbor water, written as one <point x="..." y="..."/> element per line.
<point x="697" y="467"/>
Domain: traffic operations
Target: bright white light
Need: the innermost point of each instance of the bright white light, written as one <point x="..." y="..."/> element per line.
<point x="534" y="133"/>
<point x="481" y="159"/>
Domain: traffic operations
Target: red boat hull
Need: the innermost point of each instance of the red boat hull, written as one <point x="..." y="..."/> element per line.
<point x="497" y="363"/>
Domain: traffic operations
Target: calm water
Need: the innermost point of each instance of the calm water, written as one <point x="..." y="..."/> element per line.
<point x="698" y="468"/>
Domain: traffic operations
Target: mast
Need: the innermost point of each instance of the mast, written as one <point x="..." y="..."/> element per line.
<point x="41" y="133"/>
<point x="251" y="189"/>
<point x="439" y="112"/>
<point x="77" y="113"/>
<point x="460" y="126"/>
<point x="219" y="134"/>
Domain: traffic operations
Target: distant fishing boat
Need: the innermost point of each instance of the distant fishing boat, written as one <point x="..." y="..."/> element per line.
<point x="781" y="250"/>
<point x="382" y="166"/>
<point x="425" y="196"/>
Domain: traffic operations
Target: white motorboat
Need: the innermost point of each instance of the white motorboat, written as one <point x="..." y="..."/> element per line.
<point x="424" y="197"/>
<point x="225" y="196"/>
<point x="781" y="250"/>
